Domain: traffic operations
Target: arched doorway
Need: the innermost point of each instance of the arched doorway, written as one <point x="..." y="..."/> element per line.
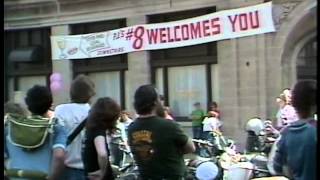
<point x="306" y="64"/>
<point x="298" y="58"/>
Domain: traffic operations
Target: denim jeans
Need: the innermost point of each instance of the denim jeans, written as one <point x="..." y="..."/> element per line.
<point x="74" y="174"/>
<point x="197" y="132"/>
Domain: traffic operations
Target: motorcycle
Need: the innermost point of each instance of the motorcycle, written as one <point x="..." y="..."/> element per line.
<point x="254" y="163"/>
<point x="127" y="170"/>
<point x="215" y="147"/>
<point x="231" y="165"/>
<point x="208" y="167"/>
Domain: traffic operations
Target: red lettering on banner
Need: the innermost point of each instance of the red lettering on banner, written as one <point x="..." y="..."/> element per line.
<point x="138" y="34"/>
<point x="163" y="35"/>
<point x="175" y="33"/>
<point x="195" y="30"/>
<point x="233" y="22"/>
<point x="243" y="22"/>
<point x="169" y="35"/>
<point x="152" y="36"/>
<point x="215" y="26"/>
<point x="185" y="32"/>
<point x="206" y="27"/>
<point x="256" y="24"/>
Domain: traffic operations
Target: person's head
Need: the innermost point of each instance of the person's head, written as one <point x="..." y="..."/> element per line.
<point x="213" y="106"/>
<point x="160" y="111"/>
<point x="304" y="97"/>
<point x="287" y="94"/>
<point x="15" y="108"/>
<point x="82" y="89"/>
<point x="103" y="114"/>
<point x="212" y="114"/>
<point x="167" y="109"/>
<point x="146" y="99"/>
<point x="281" y="100"/>
<point x="124" y="116"/>
<point x="197" y="105"/>
<point x="39" y="100"/>
<point x="161" y="97"/>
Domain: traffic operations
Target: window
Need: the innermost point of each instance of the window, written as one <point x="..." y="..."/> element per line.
<point x="107" y="85"/>
<point x="187" y="85"/>
<point x="184" y="75"/>
<point x="18" y="73"/>
<point x="108" y="72"/>
<point x="24" y="84"/>
<point x="307" y="61"/>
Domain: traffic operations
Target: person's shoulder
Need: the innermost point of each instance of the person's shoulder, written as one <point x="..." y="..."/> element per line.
<point x="168" y="124"/>
<point x="94" y="133"/>
<point x="62" y="108"/>
<point x="64" y="105"/>
<point x="72" y="105"/>
<point x="299" y="126"/>
<point x="288" y="107"/>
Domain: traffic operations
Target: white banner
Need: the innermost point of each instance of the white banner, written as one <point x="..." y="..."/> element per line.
<point x="221" y="25"/>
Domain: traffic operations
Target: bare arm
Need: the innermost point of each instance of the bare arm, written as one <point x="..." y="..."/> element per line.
<point x="100" y="145"/>
<point x="189" y="147"/>
<point x="59" y="141"/>
<point x="57" y="164"/>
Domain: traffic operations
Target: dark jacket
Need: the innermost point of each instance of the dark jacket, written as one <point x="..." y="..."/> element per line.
<point x="296" y="149"/>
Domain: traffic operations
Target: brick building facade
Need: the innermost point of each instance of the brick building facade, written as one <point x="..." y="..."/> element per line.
<point x="243" y="75"/>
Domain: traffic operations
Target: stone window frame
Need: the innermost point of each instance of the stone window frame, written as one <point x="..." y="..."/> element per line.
<point x="101" y="64"/>
<point x="290" y="75"/>
<point x="25" y="38"/>
<point x="164" y="58"/>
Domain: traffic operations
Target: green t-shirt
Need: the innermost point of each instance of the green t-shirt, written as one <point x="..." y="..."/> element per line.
<point x="157" y="145"/>
<point x="197" y="117"/>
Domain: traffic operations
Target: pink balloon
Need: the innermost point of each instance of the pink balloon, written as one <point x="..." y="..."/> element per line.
<point x="55" y="86"/>
<point x="55" y="77"/>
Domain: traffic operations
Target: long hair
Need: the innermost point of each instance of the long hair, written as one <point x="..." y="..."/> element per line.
<point x="103" y="114"/>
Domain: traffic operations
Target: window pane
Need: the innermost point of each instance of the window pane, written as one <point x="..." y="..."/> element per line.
<point x="215" y="82"/>
<point x="187" y="85"/>
<point x="128" y="99"/>
<point x="307" y="61"/>
<point x="159" y="80"/>
<point x="107" y="84"/>
<point x="11" y="88"/>
<point x="25" y="83"/>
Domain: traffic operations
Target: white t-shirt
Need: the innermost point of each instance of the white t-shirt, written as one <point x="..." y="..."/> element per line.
<point x="211" y="123"/>
<point x="70" y="116"/>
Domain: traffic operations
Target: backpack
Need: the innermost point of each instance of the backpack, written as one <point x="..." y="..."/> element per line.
<point x="28" y="132"/>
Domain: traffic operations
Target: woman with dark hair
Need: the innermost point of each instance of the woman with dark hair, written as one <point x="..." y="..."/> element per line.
<point x="102" y="118"/>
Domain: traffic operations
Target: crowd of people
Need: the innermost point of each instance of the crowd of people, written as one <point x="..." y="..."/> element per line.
<point x="203" y="123"/>
<point x="81" y="139"/>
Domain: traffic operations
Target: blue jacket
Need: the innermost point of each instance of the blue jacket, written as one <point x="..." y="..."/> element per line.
<point x="296" y="149"/>
<point x="39" y="159"/>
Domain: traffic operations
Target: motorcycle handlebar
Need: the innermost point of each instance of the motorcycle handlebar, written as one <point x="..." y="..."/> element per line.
<point x="204" y="142"/>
